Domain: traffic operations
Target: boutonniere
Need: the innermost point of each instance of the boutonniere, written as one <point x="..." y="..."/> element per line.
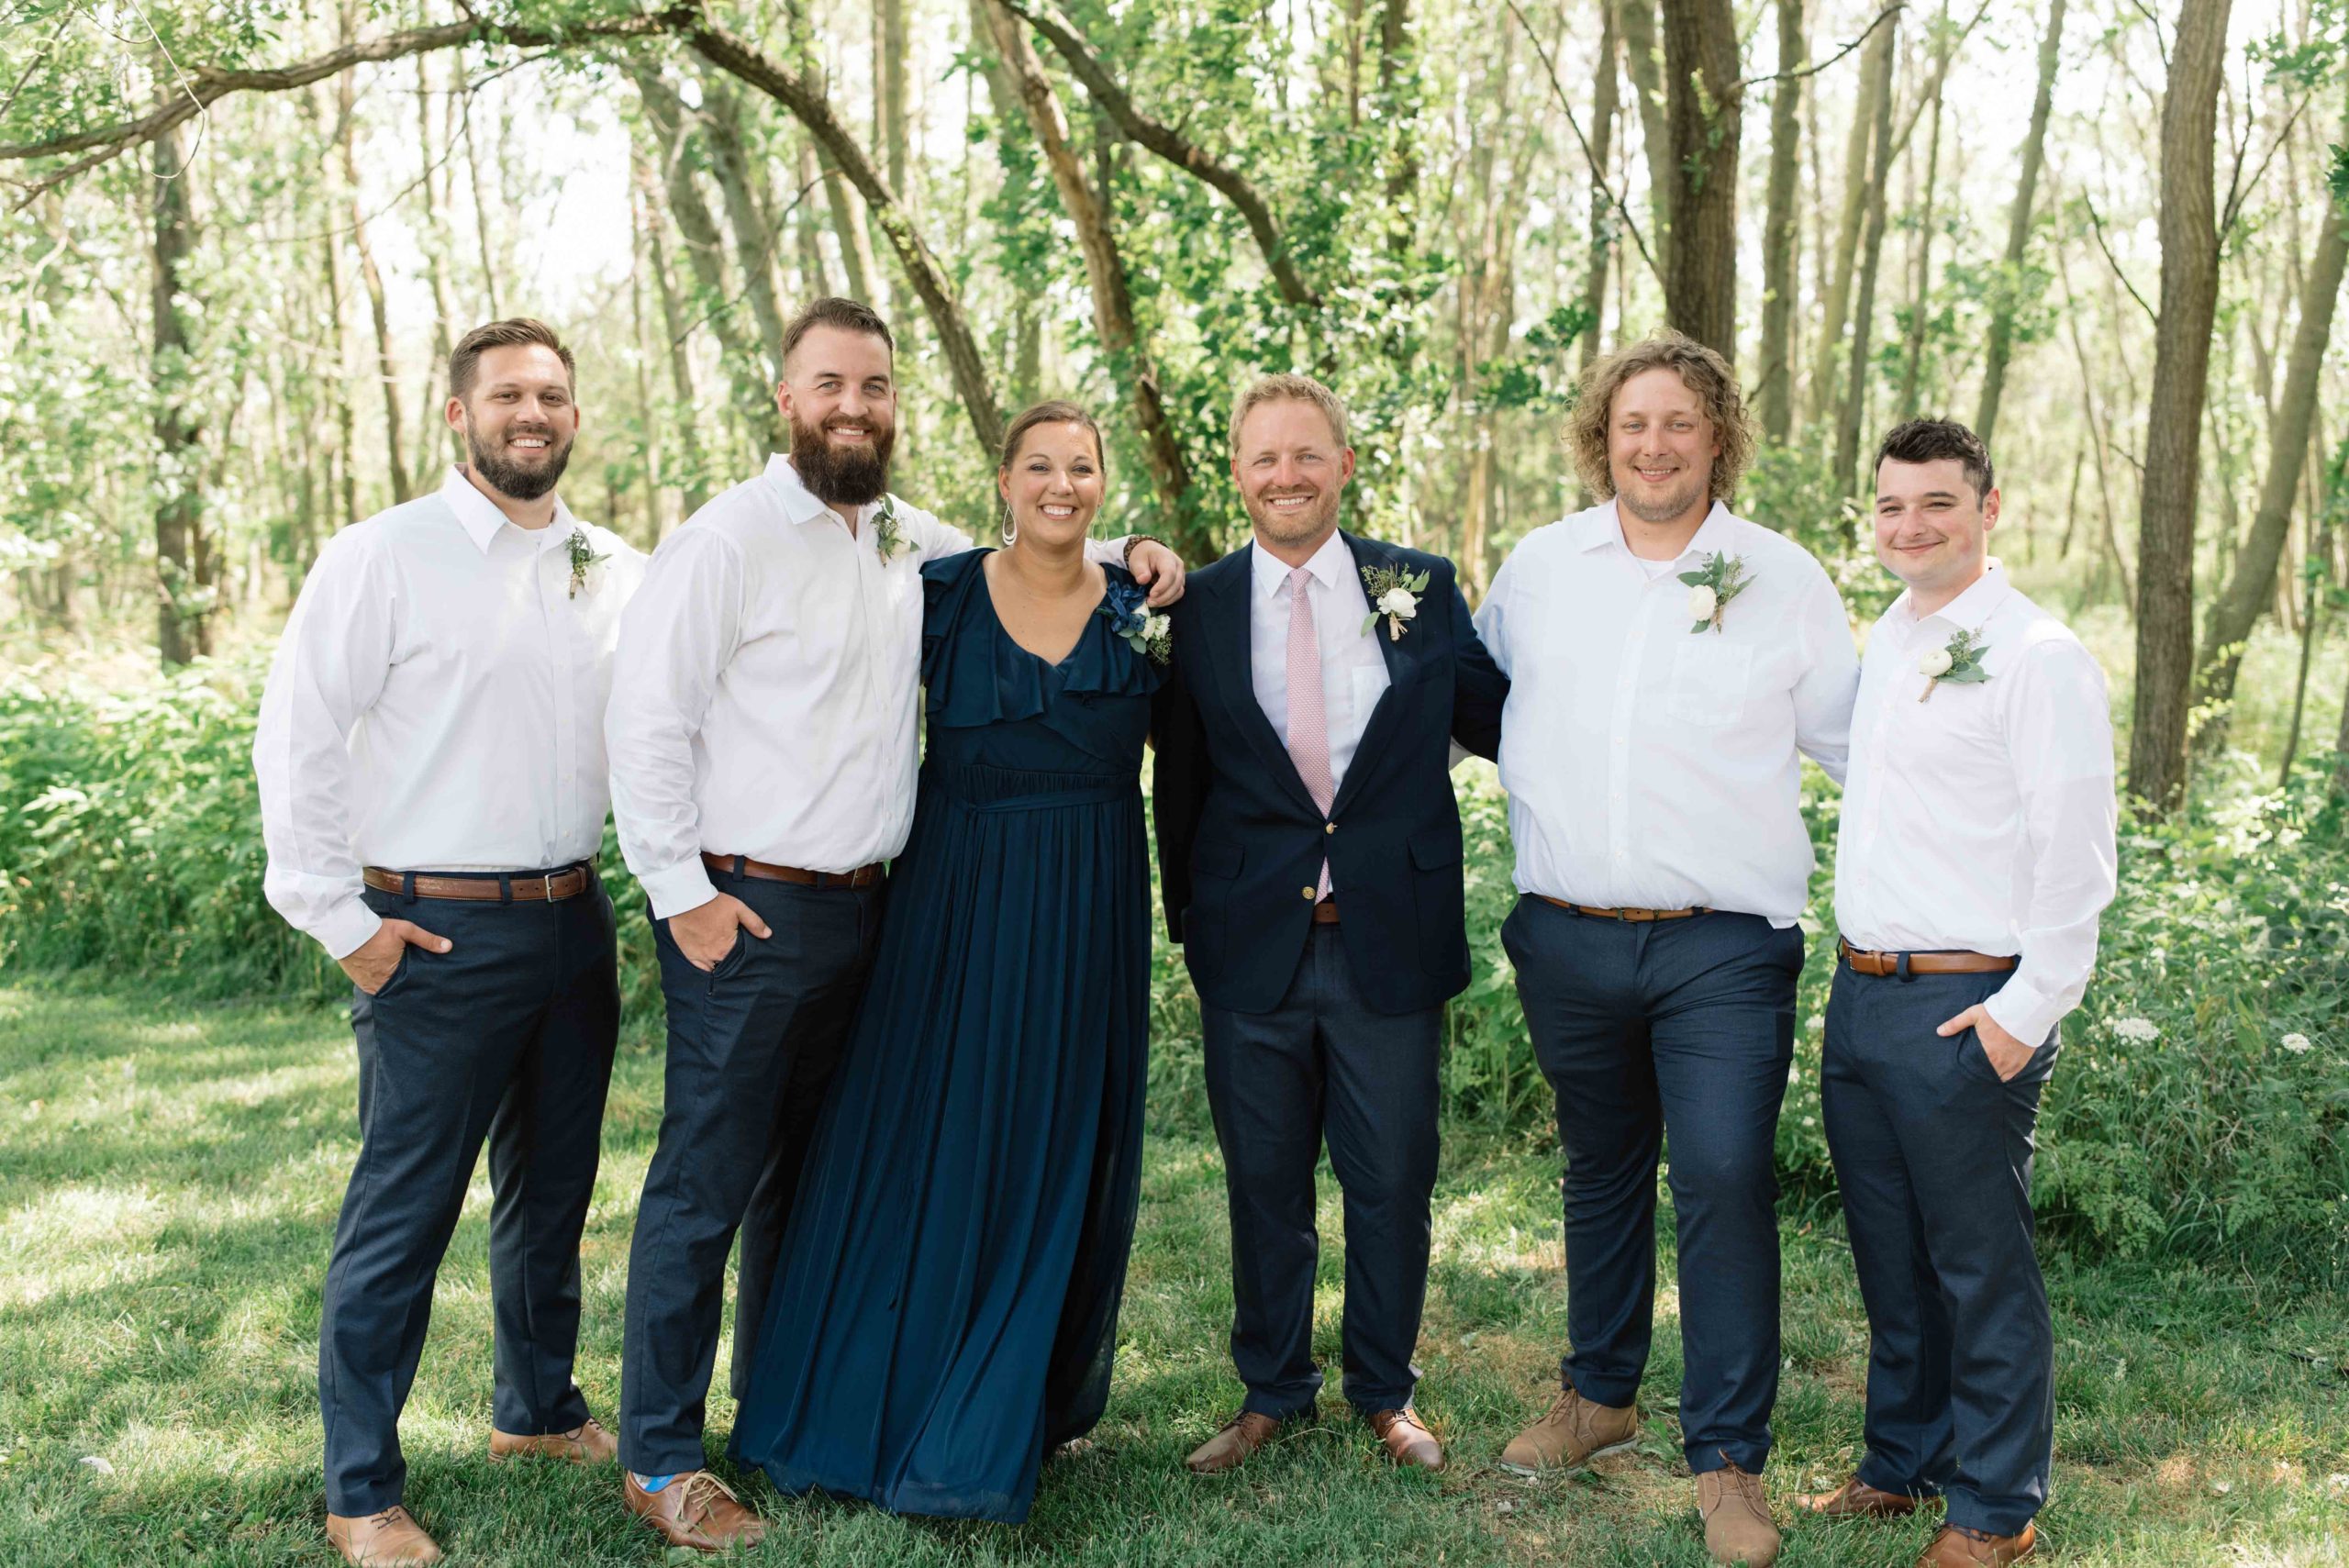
<point x="1960" y="662"/>
<point x="1143" y="629"/>
<point x="886" y="536"/>
<point x="586" y="566"/>
<point x="1395" y="594"/>
<point x="1721" y="579"/>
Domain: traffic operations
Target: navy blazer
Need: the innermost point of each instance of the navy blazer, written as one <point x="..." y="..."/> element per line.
<point x="1240" y="840"/>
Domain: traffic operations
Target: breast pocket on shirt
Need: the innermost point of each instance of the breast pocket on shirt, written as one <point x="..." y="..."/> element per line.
<point x="1710" y="680"/>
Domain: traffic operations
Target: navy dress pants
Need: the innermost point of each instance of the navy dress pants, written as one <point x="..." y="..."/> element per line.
<point x="507" y="1037"/>
<point x="1322" y="1063"/>
<point x="752" y="1046"/>
<point x="1679" y="1028"/>
<point x="1934" y="1156"/>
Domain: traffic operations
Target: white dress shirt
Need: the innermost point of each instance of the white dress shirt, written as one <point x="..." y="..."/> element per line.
<point x="1652" y="767"/>
<point x="769" y="686"/>
<point x="436" y="704"/>
<point x="1354" y="672"/>
<point x="1982" y="818"/>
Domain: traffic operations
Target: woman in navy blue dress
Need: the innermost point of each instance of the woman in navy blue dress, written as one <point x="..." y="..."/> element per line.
<point x="946" y="1307"/>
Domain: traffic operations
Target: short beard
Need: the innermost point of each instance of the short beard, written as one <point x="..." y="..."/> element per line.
<point x="513" y="480"/>
<point x="851" y="476"/>
<point x="1671" y="509"/>
<point x="1309" y="524"/>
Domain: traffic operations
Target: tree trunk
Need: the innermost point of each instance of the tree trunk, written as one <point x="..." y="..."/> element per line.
<point x="889" y="89"/>
<point x="1920" y="294"/>
<point x="431" y="445"/>
<point x="1399" y="76"/>
<point x="2001" y="347"/>
<point x="2189" y="299"/>
<point x="1703" y="95"/>
<point x="1776" y="391"/>
<point x="1875" y="74"/>
<point x="1854" y="409"/>
<point x="182" y="615"/>
<point x="372" y="277"/>
<point x="1603" y="217"/>
<point x="694" y="483"/>
<point x="1113" y="310"/>
<point x="1645" y="58"/>
<point x="2253" y="578"/>
<point x="755" y="239"/>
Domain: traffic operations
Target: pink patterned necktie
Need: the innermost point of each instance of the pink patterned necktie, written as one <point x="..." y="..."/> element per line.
<point x="1308" y="724"/>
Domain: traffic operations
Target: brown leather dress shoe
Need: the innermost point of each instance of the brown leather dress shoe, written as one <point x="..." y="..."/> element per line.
<point x="1855" y="1500"/>
<point x="1407" y="1439"/>
<point x="587" y="1444"/>
<point x="1737" y="1526"/>
<point x="1958" y="1547"/>
<point x="370" y="1540"/>
<point x="696" y="1509"/>
<point x="1574" y="1432"/>
<point x="1241" y="1436"/>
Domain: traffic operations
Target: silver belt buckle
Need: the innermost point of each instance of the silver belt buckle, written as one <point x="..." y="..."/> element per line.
<point x="548" y="879"/>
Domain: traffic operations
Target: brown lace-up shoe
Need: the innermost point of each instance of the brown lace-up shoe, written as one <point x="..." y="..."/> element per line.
<point x="1737" y="1526"/>
<point x="371" y="1541"/>
<point x="696" y="1509"/>
<point x="1407" y="1439"/>
<point x="1958" y="1547"/>
<point x="587" y="1444"/>
<point x="1241" y="1436"/>
<point x="1574" y="1432"/>
<point x="1855" y="1500"/>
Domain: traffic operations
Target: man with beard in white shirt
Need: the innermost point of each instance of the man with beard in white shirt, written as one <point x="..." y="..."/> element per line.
<point x="762" y="739"/>
<point x="431" y="757"/>
<point x="1975" y="857"/>
<point x="1667" y="660"/>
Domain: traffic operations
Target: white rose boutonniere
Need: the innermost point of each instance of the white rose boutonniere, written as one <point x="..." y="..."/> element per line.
<point x="1712" y="586"/>
<point x="1395" y="594"/>
<point x="587" y="568"/>
<point x="1960" y="664"/>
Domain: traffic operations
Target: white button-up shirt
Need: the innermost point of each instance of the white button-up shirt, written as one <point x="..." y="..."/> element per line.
<point x="769" y="686"/>
<point x="1982" y="818"/>
<point x="1650" y="766"/>
<point x="1354" y="672"/>
<point x="436" y="704"/>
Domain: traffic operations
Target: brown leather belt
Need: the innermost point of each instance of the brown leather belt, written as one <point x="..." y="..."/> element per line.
<point x="741" y="865"/>
<point x="1634" y="917"/>
<point x="1326" y="912"/>
<point x="1889" y="963"/>
<point x="486" y="887"/>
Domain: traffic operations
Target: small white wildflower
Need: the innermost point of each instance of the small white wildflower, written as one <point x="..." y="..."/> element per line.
<point x="1702" y="602"/>
<point x="1936" y="663"/>
<point x="2143" y="1032"/>
<point x="2297" y="1044"/>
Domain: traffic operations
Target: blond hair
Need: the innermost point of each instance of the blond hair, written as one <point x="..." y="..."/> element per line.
<point x="1288" y="389"/>
<point x="1700" y="369"/>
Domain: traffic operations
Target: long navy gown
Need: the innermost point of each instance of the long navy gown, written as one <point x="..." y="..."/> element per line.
<point x="946" y="1306"/>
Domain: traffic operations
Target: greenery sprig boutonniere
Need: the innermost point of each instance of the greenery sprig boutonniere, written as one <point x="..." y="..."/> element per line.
<point x="886" y="536"/>
<point x="1144" y="631"/>
<point x="586" y="566"/>
<point x="1960" y="662"/>
<point x="1712" y="587"/>
<point x="1393" y="593"/>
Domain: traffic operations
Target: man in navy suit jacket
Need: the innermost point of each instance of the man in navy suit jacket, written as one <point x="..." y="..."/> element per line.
<point x="1303" y="768"/>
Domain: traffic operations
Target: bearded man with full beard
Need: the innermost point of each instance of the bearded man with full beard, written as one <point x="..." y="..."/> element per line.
<point x="431" y="758"/>
<point x="763" y="746"/>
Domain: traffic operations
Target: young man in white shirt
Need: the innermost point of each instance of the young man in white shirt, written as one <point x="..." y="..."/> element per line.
<point x="1649" y="749"/>
<point x="763" y="751"/>
<point x="430" y="756"/>
<point x="1975" y="858"/>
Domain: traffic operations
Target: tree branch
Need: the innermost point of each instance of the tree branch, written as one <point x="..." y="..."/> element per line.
<point x="1881" y="17"/>
<point x="1589" y="157"/>
<point x="1169" y="143"/>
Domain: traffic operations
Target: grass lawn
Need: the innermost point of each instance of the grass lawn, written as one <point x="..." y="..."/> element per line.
<point x="168" y="1179"/>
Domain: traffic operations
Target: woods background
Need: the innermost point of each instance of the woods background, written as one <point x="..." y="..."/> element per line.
<point x="241" y="236"/>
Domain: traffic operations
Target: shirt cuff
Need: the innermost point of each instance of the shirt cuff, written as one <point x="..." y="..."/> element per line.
<point x="346" y="927"/>
<point x="2023" y="1012"/>
<point x="678" y="888"/>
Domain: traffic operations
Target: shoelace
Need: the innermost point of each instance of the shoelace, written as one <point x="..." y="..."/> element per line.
<point x="695" y="1503"/>
<point x="388" y="1517"/>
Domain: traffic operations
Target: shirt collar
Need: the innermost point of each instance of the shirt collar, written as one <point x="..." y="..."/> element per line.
<point x="1973" y="608"/>
<point x="1329" y="565"/>
<point x="799" y="503"/>
<point x="481" y="520"/>
<point x="1602" y="526"/>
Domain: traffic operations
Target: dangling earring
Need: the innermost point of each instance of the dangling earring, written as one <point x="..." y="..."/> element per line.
<point x="1010" y="530"/>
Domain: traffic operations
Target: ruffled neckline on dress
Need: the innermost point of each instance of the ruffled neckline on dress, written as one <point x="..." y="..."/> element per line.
<point x="990" y="679"/>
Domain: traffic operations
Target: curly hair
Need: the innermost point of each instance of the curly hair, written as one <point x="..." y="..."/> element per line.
<point x="1700" y="369"/>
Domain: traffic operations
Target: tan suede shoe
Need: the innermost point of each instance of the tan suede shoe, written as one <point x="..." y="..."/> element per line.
<point x="1574" y="1432"/>
<point x="371" y="1541"/>
<point x="1855" y="1500"/>
<point x="1737" y="1526"/>
<point x="1407" y="1439"/>
<point x="1957" y="1547"/>
<point x="696" y="1509"/>
<point x="1240" y="1437"/>
<point x="587" y="1444"/>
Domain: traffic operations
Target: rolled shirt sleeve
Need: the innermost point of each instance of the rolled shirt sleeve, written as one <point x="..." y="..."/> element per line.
<point x="2060" y="742"/>
<point x="330" y="667"/>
